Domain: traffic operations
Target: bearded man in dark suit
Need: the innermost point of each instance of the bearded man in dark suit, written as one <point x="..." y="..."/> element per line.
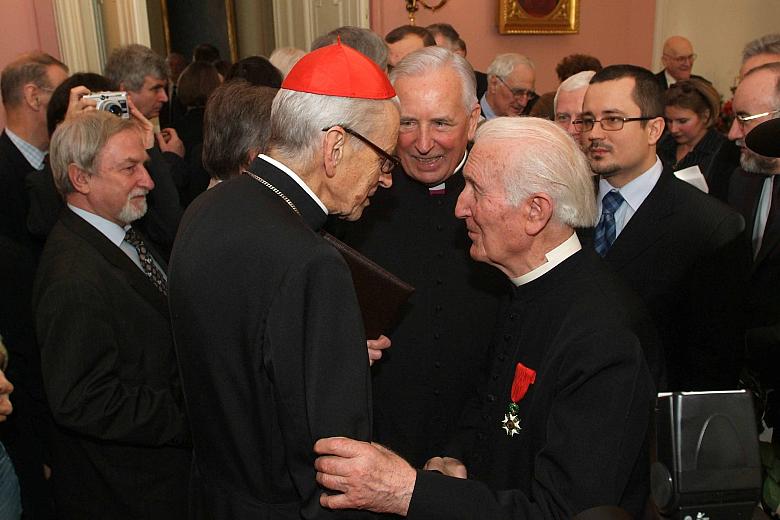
<point x="121" y="445"/>
<point x="678" y="248"/>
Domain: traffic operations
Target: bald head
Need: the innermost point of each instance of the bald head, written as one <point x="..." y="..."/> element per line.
<point x="678" y="57"/>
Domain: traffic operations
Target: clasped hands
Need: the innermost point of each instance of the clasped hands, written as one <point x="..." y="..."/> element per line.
<point x="370" y="476"/>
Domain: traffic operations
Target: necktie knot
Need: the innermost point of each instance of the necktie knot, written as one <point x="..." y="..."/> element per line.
<point x="611" y="202"/>
<point x="150" y="269"/>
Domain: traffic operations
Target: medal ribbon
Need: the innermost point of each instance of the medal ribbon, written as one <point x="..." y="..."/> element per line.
<point x="524" y="377"/>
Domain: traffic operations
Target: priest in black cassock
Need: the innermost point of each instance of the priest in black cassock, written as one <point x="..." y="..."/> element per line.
<point x="268" y="332"/>
<point x="559" y="425"/>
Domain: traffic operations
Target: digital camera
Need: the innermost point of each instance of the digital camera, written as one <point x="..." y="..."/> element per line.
<point x="114" y="102"/>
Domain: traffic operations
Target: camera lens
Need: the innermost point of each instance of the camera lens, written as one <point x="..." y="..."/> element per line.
<point x="114" y="109"/>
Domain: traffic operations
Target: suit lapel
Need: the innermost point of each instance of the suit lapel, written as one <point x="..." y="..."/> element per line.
<point x="116" y="257"/>
<point x="646" y="225"/>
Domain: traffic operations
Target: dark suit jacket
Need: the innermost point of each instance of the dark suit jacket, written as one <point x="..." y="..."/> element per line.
<point x="582" y="423"/>
<point x="762" y="302"/>
<point x="14" y="204"/>
<point x="270" y="343"/>
<point x="482" y="83"/>
<point x="682" y="253"/>
<point x="121" y="442"/>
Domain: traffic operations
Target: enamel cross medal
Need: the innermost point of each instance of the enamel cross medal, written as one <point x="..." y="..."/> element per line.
<point x="524" y="377"/>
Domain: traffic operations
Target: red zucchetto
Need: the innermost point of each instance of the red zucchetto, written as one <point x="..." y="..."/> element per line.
<point x="341" y="71"/>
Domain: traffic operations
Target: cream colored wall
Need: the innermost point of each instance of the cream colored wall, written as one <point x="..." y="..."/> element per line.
<point x="254" y="27"/>
<point x="718" y="30"/>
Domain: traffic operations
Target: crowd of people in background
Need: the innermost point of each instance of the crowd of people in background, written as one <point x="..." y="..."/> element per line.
<point x="183" y="343"/>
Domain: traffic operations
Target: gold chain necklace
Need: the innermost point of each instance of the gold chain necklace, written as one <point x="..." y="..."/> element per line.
<point x="274" y="189"/>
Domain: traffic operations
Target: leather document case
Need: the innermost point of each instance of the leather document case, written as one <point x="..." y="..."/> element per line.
<point x="380" y="293"/>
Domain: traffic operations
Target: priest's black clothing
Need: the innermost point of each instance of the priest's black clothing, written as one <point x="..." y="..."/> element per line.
<point x="270" y="343"/>
<point x="581" y="441"/>
<point x="439" y="342"/>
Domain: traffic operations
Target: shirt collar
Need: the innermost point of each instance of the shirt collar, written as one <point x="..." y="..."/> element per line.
<point x="30" y="152"/>
<point x="669" y="79"/>
<point x="554" y="258"/>
<point x="114" y="232"/>
<point x="294" y="177"/>
<point x="487" y="111"/>
<point x="636" y="191"/>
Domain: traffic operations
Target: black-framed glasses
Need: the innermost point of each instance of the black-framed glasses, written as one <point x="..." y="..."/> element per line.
<point x="743" y="119"/>
<point x="518" y="92"/>
<point x="609" y="123"/>
<point x="682" y="59"/>
<point x="388" y="161"/>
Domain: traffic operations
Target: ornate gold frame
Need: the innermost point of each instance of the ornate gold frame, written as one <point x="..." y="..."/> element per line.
<point x="231" y="28"/>
<point x="563" y="19"/>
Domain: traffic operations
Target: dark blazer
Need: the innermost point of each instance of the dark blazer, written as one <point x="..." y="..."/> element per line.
<point x="14" y="204"/>
<point x="762" y="301"/>
<point x="482" y="83"/>
<point x="121" y="446"/>
<point x="582" y="423"/>
<point x="683" y="254"/>
<point x="270" y="344"/>
<point x="703" y="155"/>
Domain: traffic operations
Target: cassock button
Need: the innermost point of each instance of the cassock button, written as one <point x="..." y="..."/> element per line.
<point x="439" y="281"/>
<point x="495" y="377"/>
<point x="436" y="393"/>
<point x="507" y="337"/>
<point x="485" y="417"/>
<point x="436" y="335"/>
<point x="440" y="254"/>
<point x="438" y="309"/>
<point x="513" y="316"/>
<point x="502" y="357"/>
<point x="491" y="398"/>
<point x="437" y="365"/>
<point x="481" y="436"/>
<point x="439" y="227"/>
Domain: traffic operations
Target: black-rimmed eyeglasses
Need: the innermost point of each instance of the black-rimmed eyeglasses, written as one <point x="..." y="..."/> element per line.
<point x="388" y="161"/>
<point x="610" y="123"/>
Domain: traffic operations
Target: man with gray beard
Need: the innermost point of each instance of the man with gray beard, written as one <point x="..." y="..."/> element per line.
<point x="120" y="447"/>
<point x="754" y="191"/>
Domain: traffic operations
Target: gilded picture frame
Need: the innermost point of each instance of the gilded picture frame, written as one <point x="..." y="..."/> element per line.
<point x="538" y="16"/>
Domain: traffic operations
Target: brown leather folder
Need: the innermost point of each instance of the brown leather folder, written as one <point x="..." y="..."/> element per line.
<point x="379" y="292"/>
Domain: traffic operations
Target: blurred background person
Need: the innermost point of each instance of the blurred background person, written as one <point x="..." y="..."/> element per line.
<point x="236" y="128"/>
<point x="257" y="70"/>
<point x="362" y="40"/>
<point x="691" y="109"/>
<point x="283" y="58"/>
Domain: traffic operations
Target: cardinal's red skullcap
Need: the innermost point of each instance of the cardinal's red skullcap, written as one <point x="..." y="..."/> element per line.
<point x="339" y="70"/>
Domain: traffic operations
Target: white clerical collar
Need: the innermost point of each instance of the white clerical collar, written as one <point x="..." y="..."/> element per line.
<point x="554" y="258"/>
<point x="294" y="177"/>
<point x="439" y="188"/>
<point x="113" y="231"/>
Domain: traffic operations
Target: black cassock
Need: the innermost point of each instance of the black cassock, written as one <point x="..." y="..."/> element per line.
<point x="270" y="344"/>
<point x="583" y="422"/>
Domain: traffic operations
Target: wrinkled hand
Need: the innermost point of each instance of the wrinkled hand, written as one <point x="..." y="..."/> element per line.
<point x="369" y="476"/>
<point x="447" y="466"/>
<point x="169" y="141"/>
<point x="144" y="125"/>
<point x="375" y="348"/>
<point x="5" y="402"/>
<point x="77" y="103"/>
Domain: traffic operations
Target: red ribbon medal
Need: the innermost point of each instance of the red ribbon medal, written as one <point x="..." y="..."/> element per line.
<point x="524" y="378"/>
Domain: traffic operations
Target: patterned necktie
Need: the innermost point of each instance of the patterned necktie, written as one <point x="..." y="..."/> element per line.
<point x="145" y="256"/>
<point x="606" y="230"/>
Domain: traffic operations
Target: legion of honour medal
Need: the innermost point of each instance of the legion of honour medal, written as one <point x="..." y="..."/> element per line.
<point x="524" y="377"/>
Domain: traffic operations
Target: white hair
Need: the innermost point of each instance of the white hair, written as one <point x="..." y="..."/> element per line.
<point x="503" y="64"/>
<point x="429" y="59"/>
<point x="575" y="82"/>
<point x="298" y="120"/>
<point x="542" y="158"/>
